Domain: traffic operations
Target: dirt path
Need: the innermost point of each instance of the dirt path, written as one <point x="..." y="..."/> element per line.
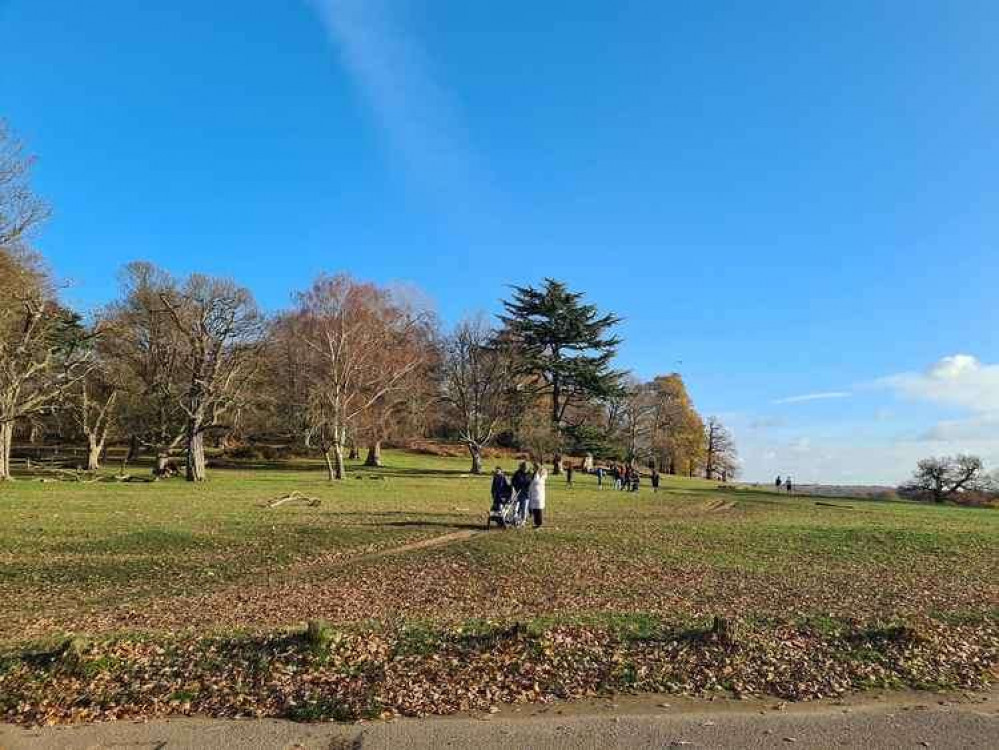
<point x="891" y="720"/>
<point x="348" y="560"/>
<point x="437" y="541"/>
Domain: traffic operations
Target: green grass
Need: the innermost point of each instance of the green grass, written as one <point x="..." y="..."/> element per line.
<point x="108" y="557"/>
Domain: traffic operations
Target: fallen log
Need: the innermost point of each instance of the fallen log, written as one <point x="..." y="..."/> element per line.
<point x="293" y="497"/>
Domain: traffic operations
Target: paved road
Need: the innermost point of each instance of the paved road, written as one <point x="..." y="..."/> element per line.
<point x="909" y="720"/>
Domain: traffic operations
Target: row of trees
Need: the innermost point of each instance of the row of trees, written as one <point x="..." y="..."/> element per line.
<point x="174" y="363"/>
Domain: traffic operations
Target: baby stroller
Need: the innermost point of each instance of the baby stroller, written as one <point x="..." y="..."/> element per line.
<point x="503" y="513"/>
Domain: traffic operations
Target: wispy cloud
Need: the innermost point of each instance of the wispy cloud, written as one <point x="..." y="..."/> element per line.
<point x="821" y="396"/>
<point x="416" y="112"/>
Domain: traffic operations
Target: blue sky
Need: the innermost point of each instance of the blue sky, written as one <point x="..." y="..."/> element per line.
<point x="786" y="198"/>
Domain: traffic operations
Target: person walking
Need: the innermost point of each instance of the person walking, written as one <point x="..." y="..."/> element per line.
<point x="568" y="475"/>
<point x="600" y="477"/>
<point x="537" y="495"/>
<point x="521" y="488"/>
<point x="655" y="481"/>
<point x="501" y="488"/>
<point x="777" y="483"/>
<point x="788" y="486"/>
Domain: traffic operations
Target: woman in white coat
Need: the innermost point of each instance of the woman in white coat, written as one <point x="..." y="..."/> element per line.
<point x="536" y="494"/>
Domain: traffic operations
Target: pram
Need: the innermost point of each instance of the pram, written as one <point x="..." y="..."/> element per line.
<point x="504" y="515"/>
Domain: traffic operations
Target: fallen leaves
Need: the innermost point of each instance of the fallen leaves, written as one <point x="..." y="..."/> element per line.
<point x="383" y="672"/>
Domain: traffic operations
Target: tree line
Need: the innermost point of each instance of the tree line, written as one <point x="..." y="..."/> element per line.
<point x="175" y="367"/>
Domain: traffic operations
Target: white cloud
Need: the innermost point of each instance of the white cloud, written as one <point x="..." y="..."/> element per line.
<point x="958" y="380"/>
<point x="829" y="460"/>
<point x="865" y="452"/>
<point x="821" y="396"/>
<point x="963" y="430"/>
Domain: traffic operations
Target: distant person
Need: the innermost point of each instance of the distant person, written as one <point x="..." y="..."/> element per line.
<point x="537" y="495"/>
<point x="655" y="481"/>
<point x="521" y="487"/>
<point x="635" y="479"/>
<point x="568" y="475"/>
<point x="501" y="489"/>
<point x="616" y="473"/>
<point x="777" y="483"/>
<point x="600" y="477"/>
<point x="788" y="486"/>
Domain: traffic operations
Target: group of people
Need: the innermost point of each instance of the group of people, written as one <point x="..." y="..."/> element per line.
<point x="786" y="483"/>
<point x="526" y="488"/>
<point x="626" y="477"/>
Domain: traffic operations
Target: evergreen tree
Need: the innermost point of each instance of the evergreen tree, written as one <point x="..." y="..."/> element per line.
<point x="563" y="346"/>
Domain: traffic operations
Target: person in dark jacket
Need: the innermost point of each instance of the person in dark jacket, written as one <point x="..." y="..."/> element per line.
<point x="600" y="477"/>
<point x="501" y="489"/>
<point x="568" y="475"/>
<point x="521" y="483"/>
<point x="655" y="481"/>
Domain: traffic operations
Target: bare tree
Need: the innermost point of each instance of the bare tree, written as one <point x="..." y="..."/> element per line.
<point x="223" y="332"/>
<point x="144" y="352"/>
<point x="25" y="299"/>
<point x="943" y="478"/>
<point x="42" y="355"/>
<point x="721" y="459"/>
<point x="637" y="413"/>
<point x="396" y="414"/>
<point x="287" y="383"/>
<point x="475" y="382"/>
<point x="92" y="408"/>
<point x="353" y="339"/>
<point x="21" y="211"/>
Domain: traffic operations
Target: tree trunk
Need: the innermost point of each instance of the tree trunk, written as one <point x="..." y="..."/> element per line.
<point x="330" y="471"/>
<point x="6" y="440"/>
<point x="557" y="464"/>
<point x="339" y="470"/>
<point x="94" y="448"/>
<point x="133" y="449"/>
<point x="34" y="433"/>
<point x="354" y="455"/>
<point x="374" y="454"/>
<point x="195" y="454"/>
<point x="162" y="459"/>
<point x="476" y="452"/>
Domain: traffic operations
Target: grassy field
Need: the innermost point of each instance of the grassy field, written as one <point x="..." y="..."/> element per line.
<point x="398" y="554"/>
